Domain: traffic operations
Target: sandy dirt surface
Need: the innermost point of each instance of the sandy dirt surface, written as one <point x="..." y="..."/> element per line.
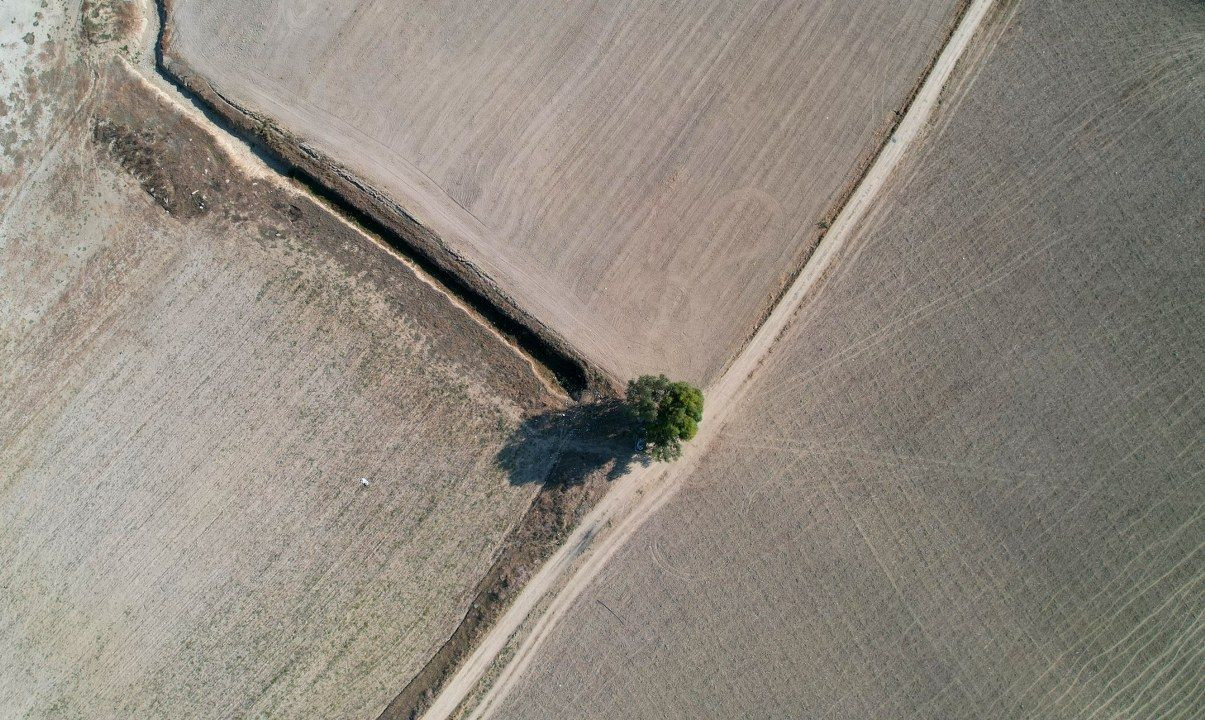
<point x="41" y="85"/>
<point x="502" y="656"/>
<point x="643" y="178"/>
<point x="198" y="365"/>
<point x="966" y="483"/>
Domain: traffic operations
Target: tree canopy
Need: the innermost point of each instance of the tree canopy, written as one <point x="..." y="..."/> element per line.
<point x="669" y="412"/>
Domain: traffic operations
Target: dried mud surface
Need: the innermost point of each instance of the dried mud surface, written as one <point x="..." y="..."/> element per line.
<point x="107" y="21"/>
<point x="41" y="85"/>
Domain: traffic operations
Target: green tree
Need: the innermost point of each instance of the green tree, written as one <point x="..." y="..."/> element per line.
<point x="669" y="412"/>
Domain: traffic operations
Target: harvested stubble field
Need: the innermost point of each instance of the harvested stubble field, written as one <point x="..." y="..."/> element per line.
<point x="642" y="178"/>
<point x="197" y="365"/>
<point x="967" y="483"/>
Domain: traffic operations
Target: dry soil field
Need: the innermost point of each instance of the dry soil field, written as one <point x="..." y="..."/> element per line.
<point x="642" y="177"/>
<point x="968" y="482"/>
<point x="197" y="366"/>
<point x="37" y="91"/>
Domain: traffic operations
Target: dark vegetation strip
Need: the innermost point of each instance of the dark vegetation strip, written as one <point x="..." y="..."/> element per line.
<point x="367" y="208"/>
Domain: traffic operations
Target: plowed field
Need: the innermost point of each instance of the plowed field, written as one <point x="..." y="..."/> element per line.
<point x="967" y="483"/>
<point x="198" y="364"/>
<point x="641" y="177"/>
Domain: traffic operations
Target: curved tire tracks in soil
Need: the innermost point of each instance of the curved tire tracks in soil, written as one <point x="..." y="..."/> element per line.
<point x="642" y="492"/>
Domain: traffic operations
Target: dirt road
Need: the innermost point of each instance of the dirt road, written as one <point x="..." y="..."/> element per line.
<point x="642" y="492"/>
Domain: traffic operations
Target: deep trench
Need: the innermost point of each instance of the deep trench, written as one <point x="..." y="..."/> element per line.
<point x="573" y="374"/>
<point x="572" y="487"/>
<point x="536" y="534"/>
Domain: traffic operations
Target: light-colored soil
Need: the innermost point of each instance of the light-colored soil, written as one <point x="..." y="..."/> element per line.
<point x="39" y="85"/>
<point x="644" y="178"/>
<point x="966" y="483"/>
<point x="197" y="366"/>
<point x="642" y="492"/>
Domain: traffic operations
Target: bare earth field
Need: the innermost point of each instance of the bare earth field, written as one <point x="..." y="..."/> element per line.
<point x="642" y="178"/>
<point x="197" y="366"/>
<point x="37" y="90"/>
<point x="967" y="483"/>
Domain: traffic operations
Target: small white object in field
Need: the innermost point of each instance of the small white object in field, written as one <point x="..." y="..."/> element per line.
<point x="364" y="482"/>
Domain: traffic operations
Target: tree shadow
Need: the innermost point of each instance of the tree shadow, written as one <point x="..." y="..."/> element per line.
<point x="565" y="447"/>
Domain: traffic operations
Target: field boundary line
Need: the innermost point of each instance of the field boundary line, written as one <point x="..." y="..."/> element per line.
<point x="362" y="204"/>
<point x="238" y="151"/>
<point x="643" y="491"/>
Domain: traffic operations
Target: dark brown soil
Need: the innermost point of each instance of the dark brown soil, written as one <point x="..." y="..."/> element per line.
<point x="136" y="152"/>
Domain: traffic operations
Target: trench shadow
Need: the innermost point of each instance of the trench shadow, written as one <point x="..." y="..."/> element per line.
<point x="566" y="447"/>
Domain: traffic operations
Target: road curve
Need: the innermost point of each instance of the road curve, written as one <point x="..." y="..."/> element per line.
<point x="641" y="492"/>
